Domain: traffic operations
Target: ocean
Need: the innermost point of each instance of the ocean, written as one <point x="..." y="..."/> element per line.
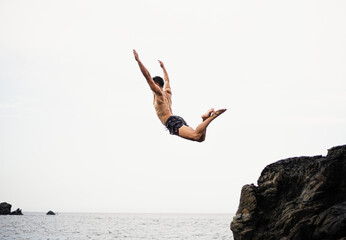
<point x="116" y="226"/>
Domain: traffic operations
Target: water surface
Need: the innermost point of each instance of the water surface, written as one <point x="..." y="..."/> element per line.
<point x="116" y="226"/>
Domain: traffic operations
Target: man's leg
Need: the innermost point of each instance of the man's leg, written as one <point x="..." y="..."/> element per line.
<point x="204" y="117"/>
<point x="199" y="133"/>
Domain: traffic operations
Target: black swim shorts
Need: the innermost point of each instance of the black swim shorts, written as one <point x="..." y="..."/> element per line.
<point x="174" y="123"/>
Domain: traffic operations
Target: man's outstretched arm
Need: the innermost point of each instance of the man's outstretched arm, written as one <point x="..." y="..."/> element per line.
<point x="167" y="85"/>
<point x="146" y="74"/>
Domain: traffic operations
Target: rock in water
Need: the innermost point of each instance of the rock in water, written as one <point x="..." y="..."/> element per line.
<point x="299" y="198"/>
<point x="5" y="208"/>
<point x="50" y="213"/>
<point x="17" y="212"/>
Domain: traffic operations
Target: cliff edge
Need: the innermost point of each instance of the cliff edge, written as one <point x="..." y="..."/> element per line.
<point x="298" y="198"/>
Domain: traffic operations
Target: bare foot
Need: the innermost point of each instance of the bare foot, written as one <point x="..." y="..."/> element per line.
<point x="219" y="112"/>
<point x="207" y="114"/>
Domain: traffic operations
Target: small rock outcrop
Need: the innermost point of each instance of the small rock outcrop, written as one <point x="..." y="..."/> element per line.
<point x="5" y="208"/>
<point x="301" y="198"/>
<point x="50" y="213"/>
<point x="17" y="212"/>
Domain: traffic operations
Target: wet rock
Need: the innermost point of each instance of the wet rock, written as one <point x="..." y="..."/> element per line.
<point x="5" y="208"/>
<point x="296" y="198"/>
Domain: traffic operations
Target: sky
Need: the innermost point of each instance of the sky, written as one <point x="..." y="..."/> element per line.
<point x="78" y="132"/>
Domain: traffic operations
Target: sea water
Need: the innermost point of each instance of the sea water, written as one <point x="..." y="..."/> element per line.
<point x="116" y="226"/>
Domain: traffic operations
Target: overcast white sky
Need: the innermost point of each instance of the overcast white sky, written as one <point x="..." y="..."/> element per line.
<point x="78" y="131"/>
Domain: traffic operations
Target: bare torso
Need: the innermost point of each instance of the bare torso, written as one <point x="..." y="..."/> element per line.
<point x="163" y="106"/>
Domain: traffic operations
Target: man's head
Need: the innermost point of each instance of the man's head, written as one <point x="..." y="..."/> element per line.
<point x="159" y="81"/>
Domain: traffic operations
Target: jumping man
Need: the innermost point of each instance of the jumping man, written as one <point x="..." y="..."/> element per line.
<point x="163" y="106"/>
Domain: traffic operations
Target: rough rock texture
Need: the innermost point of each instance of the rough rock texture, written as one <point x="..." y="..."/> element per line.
<point x="5" y="208"/>
<point x="17" y="212"/>
<point x="50" y="213"/>
<point x="298" y="198"/>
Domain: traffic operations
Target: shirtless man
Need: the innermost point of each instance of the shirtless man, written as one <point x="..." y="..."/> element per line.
<point x="163" y="106"/>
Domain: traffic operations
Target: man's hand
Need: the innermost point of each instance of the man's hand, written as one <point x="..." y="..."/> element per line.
<point x="161" y="64"/>
<point x="136" y="55"/>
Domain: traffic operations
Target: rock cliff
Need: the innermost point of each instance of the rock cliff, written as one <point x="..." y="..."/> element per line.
<point x="296" y="199"/>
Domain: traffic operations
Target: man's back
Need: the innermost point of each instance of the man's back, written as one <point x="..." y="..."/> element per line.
<point x="162" y="104"/>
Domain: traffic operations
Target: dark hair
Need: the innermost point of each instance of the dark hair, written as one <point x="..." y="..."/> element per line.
<point x="159" y="80"/>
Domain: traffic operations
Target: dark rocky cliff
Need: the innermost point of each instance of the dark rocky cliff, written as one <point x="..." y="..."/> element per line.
<point x="296" y="199"/>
